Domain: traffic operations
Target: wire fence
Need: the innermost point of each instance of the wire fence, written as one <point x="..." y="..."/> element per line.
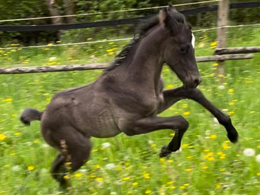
<point x="121" y="39"/>
<point x="111" y="12"/>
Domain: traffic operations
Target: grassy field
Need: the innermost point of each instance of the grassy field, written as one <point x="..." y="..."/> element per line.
<point x="207" y="164"/>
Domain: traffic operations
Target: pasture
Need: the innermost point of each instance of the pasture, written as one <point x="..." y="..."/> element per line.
<point x="207" y="164"/>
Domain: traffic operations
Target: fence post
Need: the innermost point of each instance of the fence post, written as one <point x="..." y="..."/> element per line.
<point x="223" y="14"/>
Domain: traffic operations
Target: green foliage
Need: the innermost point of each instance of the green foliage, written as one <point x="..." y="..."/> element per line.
<point x="31" y="8"/>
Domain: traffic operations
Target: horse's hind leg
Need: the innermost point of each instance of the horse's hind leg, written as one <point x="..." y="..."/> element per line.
<point x="74" y="150"/>
<point x="59" y="172"/>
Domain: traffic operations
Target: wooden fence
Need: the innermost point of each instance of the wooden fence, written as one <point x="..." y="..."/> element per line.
<point x="221" y="54"/>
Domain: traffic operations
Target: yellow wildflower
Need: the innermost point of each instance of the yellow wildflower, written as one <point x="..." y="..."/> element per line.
<point x="66" y="177"/>
<point x="205" y="167"/>
<point x="225" y="146"/>
<point x="97" y="166"/>
<point x="146" y="175"/>
<point x="30" y="168"/>
<point x="211" y="158"/>
<point x="8" y="100"/>
<point x="126" y="178"/>
<point x="258" y="174"/>
<point x="231" y="91"/>
<point x="2" y="137"/>
<point x="182" y="187"/>
<point x="170" y="182"/>
<point x="188" y="170"/>
<point x="134" y="184"/>
<point x="231" y="112"/>
<point x="148" y="191"/>
<point x="153" y="145"/>
<point x="173" y="187"/>
<point x="213" y="136"/>
<point x="170" y="86"/>
<point x="78" y="175"/>
<point x="185" y="105"/>
<point x="215" y="64"/>
<point x="99" y="179"/>
<point x="186" y="113"/>
<point x="214" y="45"/>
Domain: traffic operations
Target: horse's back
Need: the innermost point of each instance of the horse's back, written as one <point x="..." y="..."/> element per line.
<point x="85" y="108"/>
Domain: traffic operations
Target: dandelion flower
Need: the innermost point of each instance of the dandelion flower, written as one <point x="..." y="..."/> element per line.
<point x="8" y="100"/>
<point x="146" y="175"/>
<point x="218" y="186"/>
<point x="99" y="179"/>
<point x="170" y="86"/>
<point x="186" y="113"/>
<point x="2" y="137"/>
<point x="148" y="191"/>
<point x="78" y="175"/>
<point x="17" y="133"/>
<point x="30" y="168"/>
<point x="66" y="177"/>
<point x="231" y="91"/>
<point x="134" y="184"/>
<point x="249" y="152"/>
<point x="213" y="136"/>
<point x="258" y="174"/>
<point x="126" y="178"/>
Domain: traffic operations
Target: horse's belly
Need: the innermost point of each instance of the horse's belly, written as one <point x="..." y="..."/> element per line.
<point x="101" y="125"/>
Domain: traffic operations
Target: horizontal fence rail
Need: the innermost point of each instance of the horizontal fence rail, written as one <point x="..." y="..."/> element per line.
<point x="41" y="69"/>
<point x="237" y="50"/>
<point x="32" y="28"/>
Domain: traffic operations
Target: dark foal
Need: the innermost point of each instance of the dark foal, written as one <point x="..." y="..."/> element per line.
<point x="128" y="96"/>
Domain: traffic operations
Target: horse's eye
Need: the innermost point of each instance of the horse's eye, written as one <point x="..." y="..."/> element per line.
<point x="184" y="49"/>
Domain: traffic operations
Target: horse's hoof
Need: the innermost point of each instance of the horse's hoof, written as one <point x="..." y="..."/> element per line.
<point x="233" y="137"/>
<point x="165" y="152"/>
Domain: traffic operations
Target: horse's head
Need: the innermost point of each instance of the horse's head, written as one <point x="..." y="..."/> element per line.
<point x="179" y="47"/>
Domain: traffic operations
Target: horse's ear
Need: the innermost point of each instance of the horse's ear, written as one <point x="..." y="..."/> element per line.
<point x="163" y="15"/>
<point x="167" y="22"/>
<point x="170" y="7"/>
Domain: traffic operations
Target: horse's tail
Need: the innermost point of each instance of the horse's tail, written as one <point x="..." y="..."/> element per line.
<point x="30" y="114"/>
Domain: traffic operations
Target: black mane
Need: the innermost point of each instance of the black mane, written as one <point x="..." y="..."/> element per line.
<point x="142" y="28"/>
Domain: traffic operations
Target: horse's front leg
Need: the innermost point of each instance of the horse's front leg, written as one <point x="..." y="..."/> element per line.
<point x="150" y="124"/>
<point x="172" y="96"/>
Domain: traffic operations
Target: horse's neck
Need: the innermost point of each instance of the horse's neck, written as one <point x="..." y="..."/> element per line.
<point x="147" y="63"/>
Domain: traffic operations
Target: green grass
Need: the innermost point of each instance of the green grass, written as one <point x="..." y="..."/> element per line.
<point x="207" y="164"/>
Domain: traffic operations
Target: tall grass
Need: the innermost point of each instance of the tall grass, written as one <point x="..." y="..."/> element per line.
<point x="207" y="164"/>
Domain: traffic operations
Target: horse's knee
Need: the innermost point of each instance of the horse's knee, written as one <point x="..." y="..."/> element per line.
<point x="183" y="124"/>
